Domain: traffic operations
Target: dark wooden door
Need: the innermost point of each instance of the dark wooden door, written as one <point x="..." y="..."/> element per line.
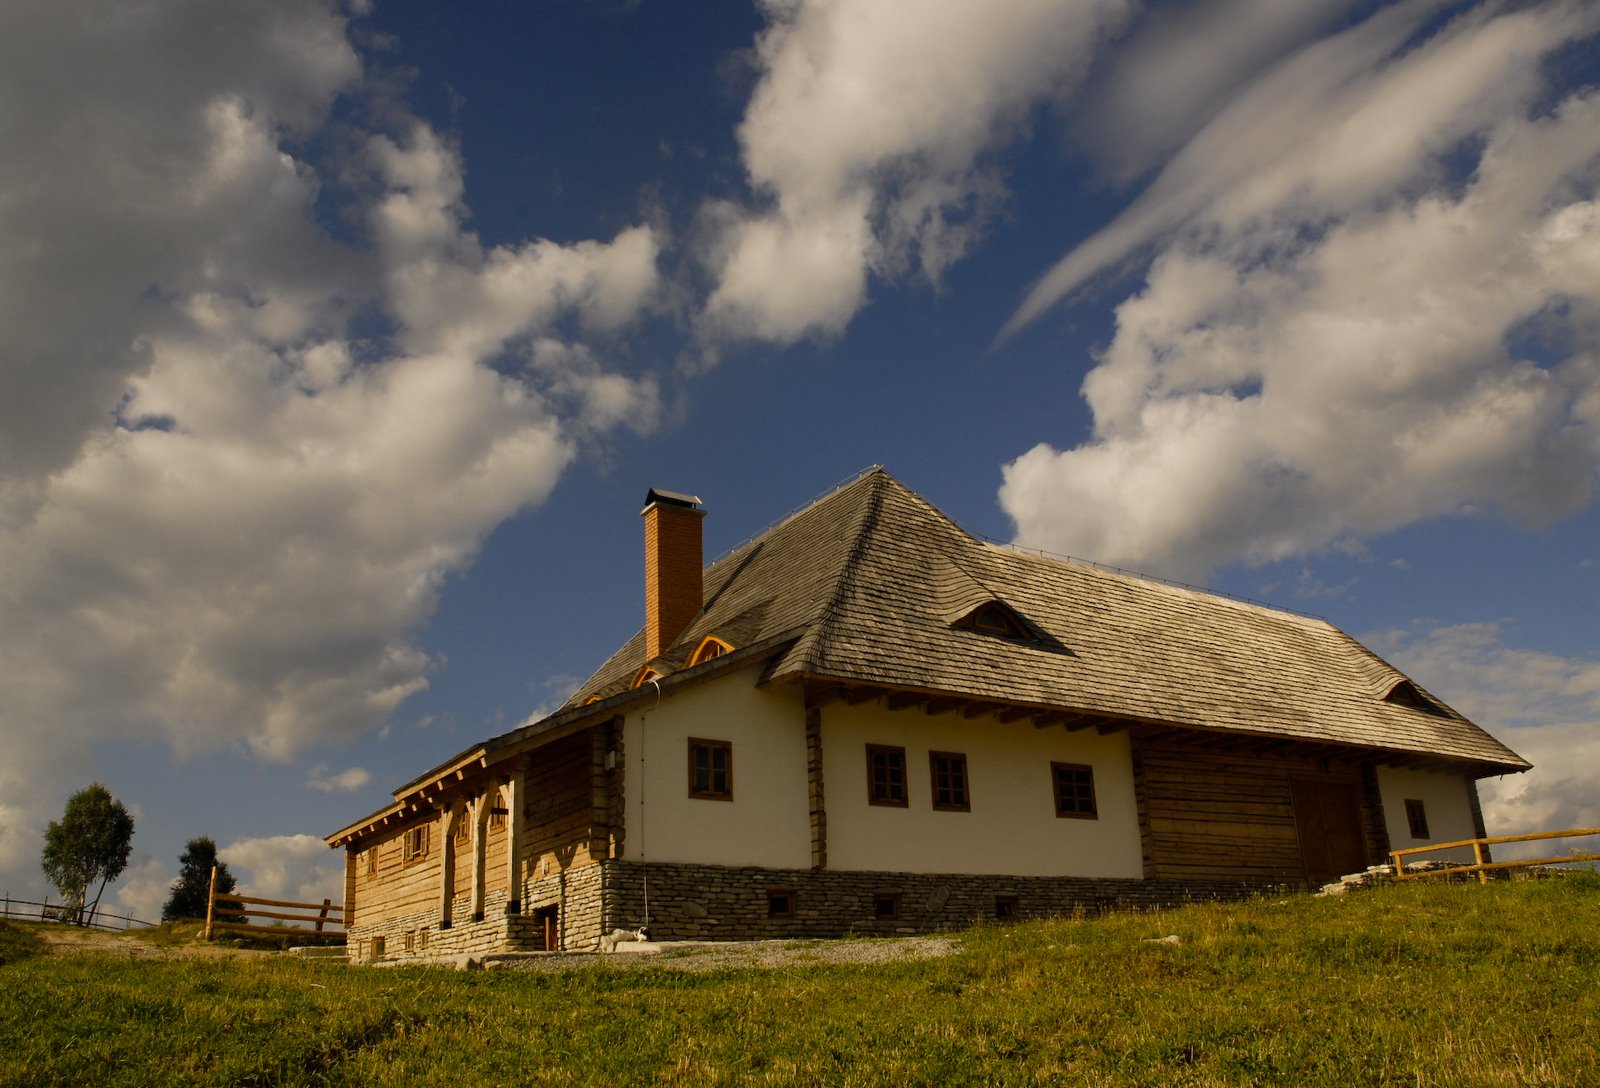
<point x="1327" y="817"/>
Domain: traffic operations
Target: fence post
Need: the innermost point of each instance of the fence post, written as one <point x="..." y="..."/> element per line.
<point x="322" y="915"/>
<point x="211" y="900"/>
<point x="1477" y="859"/>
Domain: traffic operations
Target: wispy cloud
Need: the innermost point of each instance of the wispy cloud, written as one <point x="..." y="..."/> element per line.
<point x="319" y="777"/>
<point x="1332" y="342"/>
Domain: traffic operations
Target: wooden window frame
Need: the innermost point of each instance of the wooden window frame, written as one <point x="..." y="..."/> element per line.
<point x="1074" y="810"/>
<point x="886" y="800"/>
<point x="711" y="647"/>
<point x="369" y="864"/>
<point x="411" y="851"/>
<point x="1417" y="818"/>
<point x="711" y="793"/>
<point x="774" y="910"/>
<point x="957" y="768"/>
<point x="882" y="900"/>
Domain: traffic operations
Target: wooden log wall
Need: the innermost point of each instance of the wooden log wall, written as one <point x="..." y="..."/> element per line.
<point x="560" y="809"/>
<point x="1207" y="814"/>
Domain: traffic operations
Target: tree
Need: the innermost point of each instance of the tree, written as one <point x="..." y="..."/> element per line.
<point x="189" y="891"/>
<point x="90" y="842"/>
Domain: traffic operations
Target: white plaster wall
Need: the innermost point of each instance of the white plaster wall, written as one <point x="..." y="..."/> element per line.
<point x="1012" y="828"/>
<point x="1444" y="796"/>
<point x="768" y="822"/>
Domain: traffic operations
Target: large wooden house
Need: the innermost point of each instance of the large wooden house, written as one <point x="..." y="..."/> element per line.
<point x="866" y="720"/>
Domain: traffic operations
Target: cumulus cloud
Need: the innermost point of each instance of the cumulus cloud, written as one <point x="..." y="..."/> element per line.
<point x="300" y="868"/>
<point x="868" y="141"/>
<point x="1545" y="706"/>
<point x="1337" y="340"/>
<point x="325" y="780"/>
<point x="223" y="514"/>
<point x="142" y="889"/>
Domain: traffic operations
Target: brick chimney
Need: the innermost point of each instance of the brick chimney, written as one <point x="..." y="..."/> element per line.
<point x="673" y="592"/>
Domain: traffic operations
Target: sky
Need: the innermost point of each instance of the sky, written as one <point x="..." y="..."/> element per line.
<point x="342" y="341"/>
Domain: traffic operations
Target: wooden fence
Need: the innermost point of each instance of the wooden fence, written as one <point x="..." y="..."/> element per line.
<point x="48" y="911"/>
<point x="325" y="918"/>
<point x="1483" y="867"/>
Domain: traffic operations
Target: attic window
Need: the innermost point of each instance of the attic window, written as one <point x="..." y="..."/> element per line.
<point x="996" y="618"/>
<point x="710" y="647"/>
<point x="1405" y="693"/>
<point x="644" y="676"/>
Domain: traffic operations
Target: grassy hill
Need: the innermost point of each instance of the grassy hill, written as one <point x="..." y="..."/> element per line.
<point x="1413" y="985"/>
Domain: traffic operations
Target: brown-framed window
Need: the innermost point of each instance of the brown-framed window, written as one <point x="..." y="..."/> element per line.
<point x="948" y="771"/>
<point x="886" y="775"/>
<point x="711" y="769"/>
<point x="1006" y="908"/>
<point x="498" y="811"/>
<point x="463" y="828"/>
<point x="1074" y="788"/>
<point x="886" y="906"/>
<point x="414" y="844"/>
<point x="369" y="862"/>
<point x="1417" y="818"/>
<point x="780" y="902"/>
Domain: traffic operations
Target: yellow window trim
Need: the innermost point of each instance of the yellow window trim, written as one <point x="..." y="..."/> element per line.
<point x="710" y="647"/>
<point x="644" y="676"/>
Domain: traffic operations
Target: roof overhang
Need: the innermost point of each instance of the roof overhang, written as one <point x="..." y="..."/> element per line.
<point x="425" y="791"/>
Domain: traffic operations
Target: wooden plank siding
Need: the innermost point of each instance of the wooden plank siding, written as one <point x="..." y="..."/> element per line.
<point x="1206" y="814"/>
<point x="571" y="809"/>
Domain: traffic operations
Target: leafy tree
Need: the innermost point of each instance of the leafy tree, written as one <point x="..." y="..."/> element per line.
<point x="90" y="842"/>
<point x="189" y="891"/>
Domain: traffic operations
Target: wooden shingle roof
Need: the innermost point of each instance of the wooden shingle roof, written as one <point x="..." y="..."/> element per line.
<point x="876" y="581"/>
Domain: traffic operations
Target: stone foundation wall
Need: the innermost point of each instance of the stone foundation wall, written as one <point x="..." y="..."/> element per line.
<point x="708" y="902"/>
<point x="712" y="902"/>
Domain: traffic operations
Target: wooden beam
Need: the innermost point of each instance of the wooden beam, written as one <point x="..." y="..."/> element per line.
<point x="857" y="696"/>
<point x="942" y="705"/>
<point x="1015" y="714"/>
<point x="900" y="700"/>
<point x="978" y="710"/>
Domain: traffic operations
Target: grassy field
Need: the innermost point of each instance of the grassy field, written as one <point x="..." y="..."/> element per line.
<point x="1413" y="985"/>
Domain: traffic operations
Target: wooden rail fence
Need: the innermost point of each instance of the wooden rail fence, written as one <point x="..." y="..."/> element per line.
<point x="326" y="918"/>
<point x="1483" y="867"/>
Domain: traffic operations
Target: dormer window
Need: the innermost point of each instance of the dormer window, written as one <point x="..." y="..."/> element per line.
<point x="710" y="647"/>
<point x="1405" y="693"/>
<point x="997" y="618"/>
<point x="644" y="676"/>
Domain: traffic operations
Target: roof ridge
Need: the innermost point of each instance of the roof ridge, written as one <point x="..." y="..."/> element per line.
<point x="814" y="643"/>
<point x="804" y="508"/>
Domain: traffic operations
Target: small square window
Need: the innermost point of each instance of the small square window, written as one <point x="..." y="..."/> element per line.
<point x="886" y="906"/>
<point x="949" y="772"/>
<point x="1074" y="787"/>
<point x="422" y="939"/>
<point x="411" y="940"/>
<point x="886" y="775"/>
<point x="1006" y="908"/>
<point x="414" y="844"/>
<point x="378" y="948"/>
<point x="780" y="902"/>
<point x="1417" y="819"/>
<point x="711" y="769"/>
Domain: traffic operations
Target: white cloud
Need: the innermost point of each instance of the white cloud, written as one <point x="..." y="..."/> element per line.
<point x="222" y="517"/>
<point x="1183" y="63"/>
<point x="867" y="139"/>
<point x="325" y="780"/>
<point x="1544" y="706"/>
<point x="1332" y="351"/>
<point x="142" y="889"/>
<point x="300" y="868"/>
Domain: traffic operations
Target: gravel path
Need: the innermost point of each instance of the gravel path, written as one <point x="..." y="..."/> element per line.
<point x="730" y="955"/>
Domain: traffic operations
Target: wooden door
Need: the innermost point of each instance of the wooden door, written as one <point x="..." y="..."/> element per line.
<point x="1327" y="817"/>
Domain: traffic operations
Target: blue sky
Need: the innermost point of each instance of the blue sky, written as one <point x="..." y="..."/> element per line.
<point x="343" y="341"/>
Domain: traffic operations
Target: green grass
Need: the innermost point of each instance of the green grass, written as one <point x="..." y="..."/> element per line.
<point x="1412" y="985"/>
